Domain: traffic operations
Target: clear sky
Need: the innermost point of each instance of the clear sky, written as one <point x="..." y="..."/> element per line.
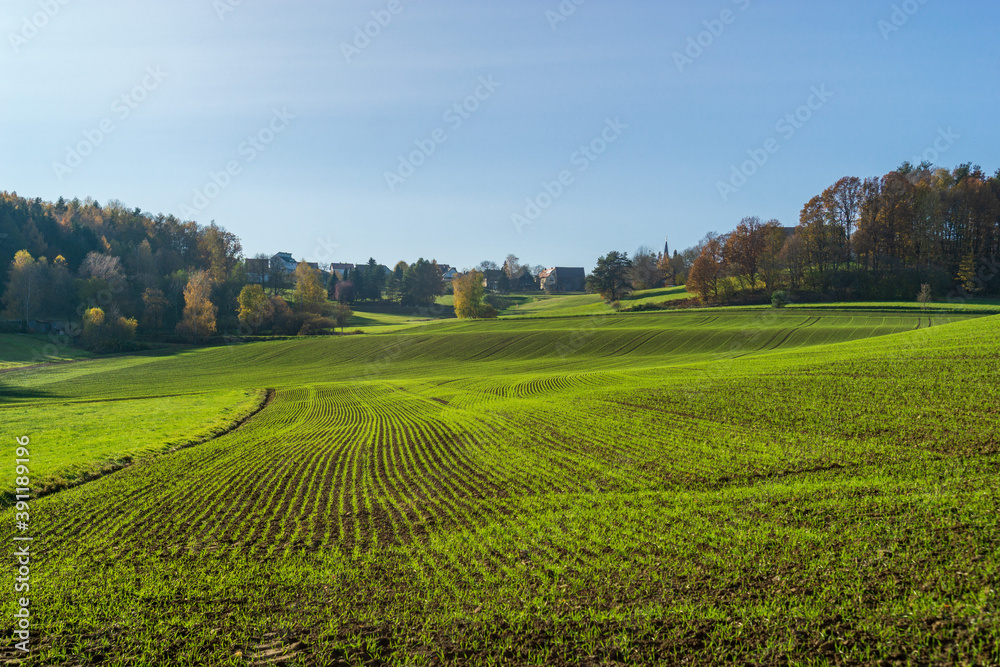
<point x="285" y="123"/>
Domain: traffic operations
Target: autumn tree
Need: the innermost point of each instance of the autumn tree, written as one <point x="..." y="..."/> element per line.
<point x="220" y="252"/>
<point x="843" y="201"/>
<point x="104" y="333"/>
<point x="198" y="320"/>
<point x="707" y="270"/>
<point x="93" y="323"/>
<point x="611" y="277"/>
<point x="793" y="260"/>
<point x="255" y="309"/>
<point x="745" y="249"/>
<point x="24" y="289"/>
<point x="469" y="294"/>
<point x="310" y="295"/>
<point x="772" y="269"/>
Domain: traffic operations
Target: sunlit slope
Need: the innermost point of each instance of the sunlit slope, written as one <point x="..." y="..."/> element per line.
<point x="460" y="349"/>
<point x="82" y="438"/>
<point x="369" y="463"/>
<point x="802" y="501"/>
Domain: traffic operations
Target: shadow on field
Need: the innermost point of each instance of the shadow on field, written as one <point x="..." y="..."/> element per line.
<point x="10" y="395"/>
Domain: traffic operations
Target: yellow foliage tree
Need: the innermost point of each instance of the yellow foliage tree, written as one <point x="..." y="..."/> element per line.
<point x="310" y="295"/>
<point x="93" y="325"/>
<point x="24" y="290"/>
<point x="199" y="311"/>
<point x="469" y="292"/>
<point x="255" y="309"/>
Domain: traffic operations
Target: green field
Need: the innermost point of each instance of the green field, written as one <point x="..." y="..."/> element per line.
<point x="807" y="486"/>
<point x="557" y="305"/>
<point x="23" y="350"/>
<point x="88" y="437"/>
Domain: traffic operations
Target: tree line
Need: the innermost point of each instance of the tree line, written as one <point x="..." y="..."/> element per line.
<point x="875" y="238"/>
<point x="106" y="272"/>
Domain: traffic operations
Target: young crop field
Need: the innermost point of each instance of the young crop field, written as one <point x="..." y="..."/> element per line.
<point x="803" y="486"/>
<point x="24" y="350"/>
<point x="548" y="305"/>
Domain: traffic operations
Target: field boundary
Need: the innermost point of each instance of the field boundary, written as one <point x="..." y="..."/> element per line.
<point x="114" y="465"/>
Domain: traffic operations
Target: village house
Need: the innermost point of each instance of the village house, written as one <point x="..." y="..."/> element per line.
<point x="340" y="268"/>
<point x="449" y="273"/>
<point x="524" y="282"/>
<point x="563" y="279"/>
<point x="491" y="279"/>
<point x="259" y="270"/>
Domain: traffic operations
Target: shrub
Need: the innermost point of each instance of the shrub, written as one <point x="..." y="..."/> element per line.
<point x="315" y="326"/>
<point x="779" y="299"/>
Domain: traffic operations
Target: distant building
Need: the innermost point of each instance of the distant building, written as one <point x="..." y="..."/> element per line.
<point x="385" y="269"/>
<point x="257" y="270"/>
<point x="491" y="279"/>
<point x="450" y="274"/>
<point x="340" y="268"/>
<point x="284" y="261"/>
<point x="525" y="282"/>
<point x="563" y="279"/>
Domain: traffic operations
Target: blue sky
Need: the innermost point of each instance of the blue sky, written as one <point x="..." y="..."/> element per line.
<point x="255" y="115"/>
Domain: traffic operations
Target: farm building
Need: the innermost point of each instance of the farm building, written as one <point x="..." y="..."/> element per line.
<point x="491" y="279"/>
<point x="525" y="282"/>
<point x="284" y="261"/>
<point x="341" y="268"/>
<point x="563" y="279"/>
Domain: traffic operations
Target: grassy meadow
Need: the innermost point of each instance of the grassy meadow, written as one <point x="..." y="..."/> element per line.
<point x="564" y="486"/>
